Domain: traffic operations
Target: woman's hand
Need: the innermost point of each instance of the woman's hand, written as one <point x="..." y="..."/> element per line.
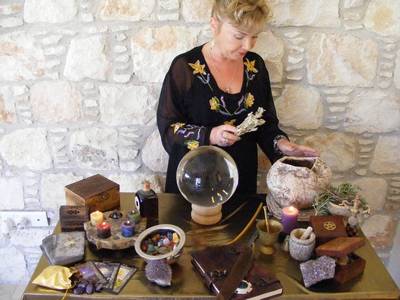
<point x="292" y="149"/>
<point x="223" y="135"/>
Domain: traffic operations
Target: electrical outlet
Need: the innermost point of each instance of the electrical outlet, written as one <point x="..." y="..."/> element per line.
<point x="32" y="218"/>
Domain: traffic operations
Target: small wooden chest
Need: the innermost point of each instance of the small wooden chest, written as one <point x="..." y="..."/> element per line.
<point x="95" y="192"/>
<point x="327" y="228"/>
<point x="72" y="217"/>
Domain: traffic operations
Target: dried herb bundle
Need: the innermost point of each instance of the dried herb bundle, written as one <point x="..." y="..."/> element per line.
<point x="343" y="195"/>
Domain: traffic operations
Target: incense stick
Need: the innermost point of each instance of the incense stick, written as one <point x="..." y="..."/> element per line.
<point x="266" y="218"/>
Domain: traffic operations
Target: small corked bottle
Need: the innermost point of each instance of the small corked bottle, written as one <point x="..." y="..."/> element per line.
<point x="146" y="202"/>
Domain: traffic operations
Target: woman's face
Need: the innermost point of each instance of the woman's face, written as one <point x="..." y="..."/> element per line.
<point x="233" y="42"/>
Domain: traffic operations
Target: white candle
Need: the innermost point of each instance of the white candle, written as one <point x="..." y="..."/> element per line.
<point x="96" y="217"/>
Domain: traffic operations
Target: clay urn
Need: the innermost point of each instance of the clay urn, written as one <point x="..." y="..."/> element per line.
<point x="295" y="181"/>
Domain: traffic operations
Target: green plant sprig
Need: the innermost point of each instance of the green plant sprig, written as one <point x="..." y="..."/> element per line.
<point x="344" y="193"/>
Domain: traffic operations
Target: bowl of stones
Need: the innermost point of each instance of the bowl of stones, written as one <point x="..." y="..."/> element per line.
<point x="164" y="241"/>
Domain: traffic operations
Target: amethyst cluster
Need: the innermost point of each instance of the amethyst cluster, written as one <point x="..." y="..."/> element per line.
<point x="314" y="271"/>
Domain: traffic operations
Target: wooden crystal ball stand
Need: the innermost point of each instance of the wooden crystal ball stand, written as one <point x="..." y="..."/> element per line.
<point x="206" y="215"/>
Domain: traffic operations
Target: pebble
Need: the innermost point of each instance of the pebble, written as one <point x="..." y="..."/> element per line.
<point x="160" y="243"/>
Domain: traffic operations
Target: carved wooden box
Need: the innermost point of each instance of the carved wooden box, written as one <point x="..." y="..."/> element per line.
<point x="72" y="217"/>
<point x="95" y="192"/>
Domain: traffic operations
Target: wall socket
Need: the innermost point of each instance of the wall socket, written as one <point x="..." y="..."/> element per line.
<point x="30" y="218"/>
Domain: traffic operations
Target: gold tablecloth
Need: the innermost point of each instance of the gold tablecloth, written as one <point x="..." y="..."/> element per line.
<point x="375" y="283"/>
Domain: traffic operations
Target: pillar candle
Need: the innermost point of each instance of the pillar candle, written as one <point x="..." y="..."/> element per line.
<point x="96" y="218"/>
<point x="134" y="216"/>
<point x="289" y="218"/>
<point x="127" y="228"/>
<point x="103" y="230"/>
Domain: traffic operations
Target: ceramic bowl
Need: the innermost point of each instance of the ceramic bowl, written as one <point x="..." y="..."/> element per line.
<point x="171" y="256"/>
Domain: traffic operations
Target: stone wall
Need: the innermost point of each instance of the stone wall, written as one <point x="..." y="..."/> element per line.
<point x="79" y="83"/>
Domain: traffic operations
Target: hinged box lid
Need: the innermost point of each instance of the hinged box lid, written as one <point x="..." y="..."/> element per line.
<point x="91" y="186"/>
<point x="340" y="246"/>
<point x="328" y="227"/>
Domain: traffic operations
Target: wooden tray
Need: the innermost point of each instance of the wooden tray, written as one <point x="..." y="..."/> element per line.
<point x="116" y="241"/>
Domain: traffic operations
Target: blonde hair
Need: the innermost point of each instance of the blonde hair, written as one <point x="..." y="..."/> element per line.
<point x="244" y="14"/>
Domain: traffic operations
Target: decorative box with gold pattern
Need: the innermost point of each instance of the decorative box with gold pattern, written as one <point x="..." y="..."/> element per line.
<point x="327" y="228"/>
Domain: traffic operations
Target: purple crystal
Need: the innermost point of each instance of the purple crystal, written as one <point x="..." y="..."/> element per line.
<point x="99" y="286"/>
<point x="314" y="271"/>
<point x="159" y="272"/>
<point x="89" y="288"/>
<point x="78" y="290"/>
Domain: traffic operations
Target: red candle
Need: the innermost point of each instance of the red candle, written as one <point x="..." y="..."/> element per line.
<point x="103" y="230"/>
<point x="289" y="218"/>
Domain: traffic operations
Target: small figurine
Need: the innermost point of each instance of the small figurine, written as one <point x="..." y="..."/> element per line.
<point x="159" y="272"/>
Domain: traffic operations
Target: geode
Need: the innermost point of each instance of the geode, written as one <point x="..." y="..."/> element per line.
<point x="314" y="271"/>
<point x="159" y="272"/>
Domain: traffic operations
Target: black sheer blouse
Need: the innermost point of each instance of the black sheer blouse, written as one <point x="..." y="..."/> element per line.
<point x="191" y="104"/>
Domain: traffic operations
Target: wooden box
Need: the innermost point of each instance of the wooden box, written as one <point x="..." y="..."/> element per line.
<point x="95" y="192"/>
<point x="343" y="247"/>
<point x="327" y="228"/>
<point x="72" y="217"/>
<point x="340" y="246"/>
<point x="345" y="273"/>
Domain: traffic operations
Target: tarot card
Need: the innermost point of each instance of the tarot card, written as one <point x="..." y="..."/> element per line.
<point x="124" y="274"/>
<point x="89" y="272"/>
<point x="109" y="270"/>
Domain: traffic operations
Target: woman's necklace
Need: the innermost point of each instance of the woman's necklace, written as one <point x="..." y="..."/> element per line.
<point x="227" y="88"/>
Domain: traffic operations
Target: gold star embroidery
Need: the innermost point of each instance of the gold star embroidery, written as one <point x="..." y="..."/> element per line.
<point x="198" y="68"/>
<point x="231" y="122"/>
<point x="249" y="100"/>
<point x="176" y="126"/>
<point x="192" y="144"/>
<point x="214" y="103"/>
<point x="250" y="66"/>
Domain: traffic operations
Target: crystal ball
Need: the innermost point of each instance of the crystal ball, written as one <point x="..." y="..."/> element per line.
<point x="207" y="176"/>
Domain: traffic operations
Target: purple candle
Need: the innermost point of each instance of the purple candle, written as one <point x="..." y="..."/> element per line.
<point x="289" y="218"/>
<point x="127" y="228"/>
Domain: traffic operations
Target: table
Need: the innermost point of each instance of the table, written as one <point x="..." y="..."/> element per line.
<point x="375" y="283"/>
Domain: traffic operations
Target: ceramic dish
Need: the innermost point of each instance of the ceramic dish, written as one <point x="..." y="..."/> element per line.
<point x="149" y="232"/>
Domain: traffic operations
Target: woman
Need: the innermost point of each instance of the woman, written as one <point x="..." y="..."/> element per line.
<point x="212" y="88"/>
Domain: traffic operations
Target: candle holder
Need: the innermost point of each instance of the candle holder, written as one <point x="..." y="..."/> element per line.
<point x="121" y="237"/>
<point x="96" y="218"/>
<point x="103" y="230"/>
<point x="134" y="216"/>
<point x="268" y="239"/>
<point x="127" y="228"/>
